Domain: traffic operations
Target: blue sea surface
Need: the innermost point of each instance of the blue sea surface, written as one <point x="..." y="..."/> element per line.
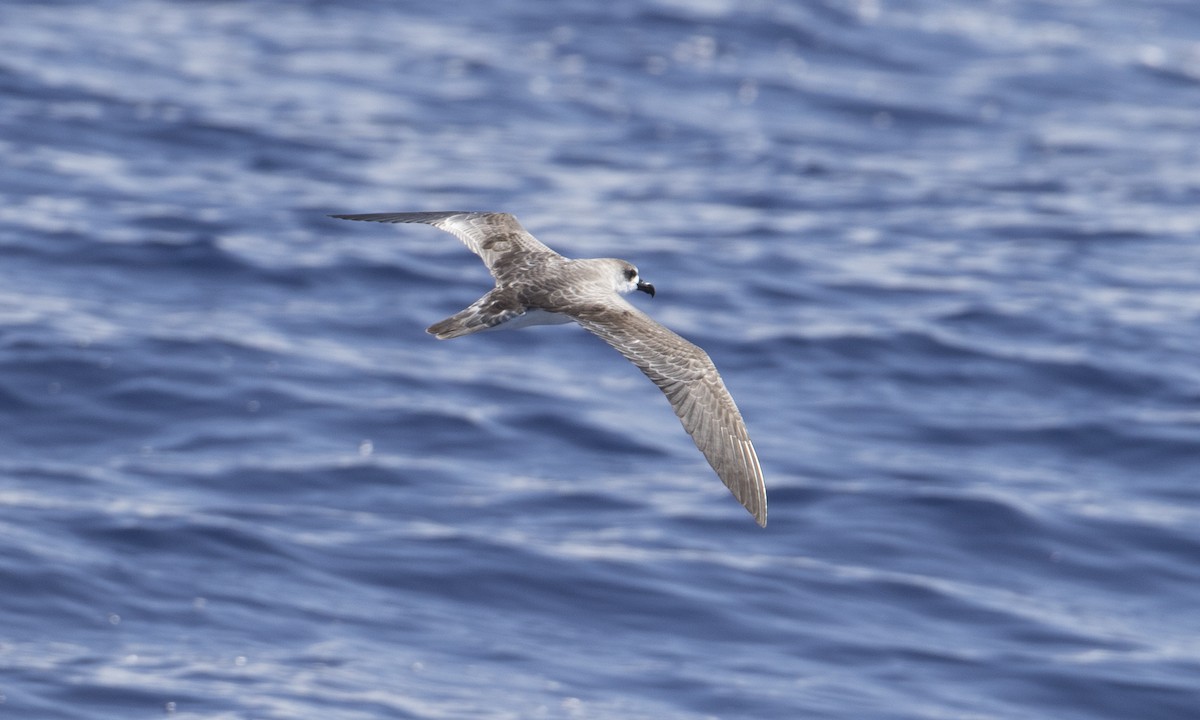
<point x="945" y="254"/>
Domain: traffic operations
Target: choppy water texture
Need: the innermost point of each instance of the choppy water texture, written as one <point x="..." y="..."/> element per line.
<point x="945" y="254"/>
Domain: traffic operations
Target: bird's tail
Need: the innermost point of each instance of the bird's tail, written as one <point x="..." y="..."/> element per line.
<point x="484" y="314"/>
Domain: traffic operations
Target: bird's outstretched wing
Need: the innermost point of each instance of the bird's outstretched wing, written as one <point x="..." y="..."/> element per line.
<point x="497" y="238"/>
<point x="690" y="381"/>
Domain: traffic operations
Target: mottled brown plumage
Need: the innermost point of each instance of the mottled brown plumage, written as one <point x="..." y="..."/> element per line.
<point x="537" y="286"/>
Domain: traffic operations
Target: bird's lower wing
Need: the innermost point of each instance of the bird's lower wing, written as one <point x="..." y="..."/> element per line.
<point x="691" y="383"/>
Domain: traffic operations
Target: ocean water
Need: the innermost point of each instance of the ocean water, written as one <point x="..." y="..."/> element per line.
<point x="945" y="254"/>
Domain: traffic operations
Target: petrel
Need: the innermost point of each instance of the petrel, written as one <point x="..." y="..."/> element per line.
<point x="537" y="286"/>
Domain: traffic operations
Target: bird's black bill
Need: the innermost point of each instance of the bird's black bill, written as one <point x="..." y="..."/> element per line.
<point x="646" y="288"/>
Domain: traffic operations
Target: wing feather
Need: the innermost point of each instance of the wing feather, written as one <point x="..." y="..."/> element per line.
<point x="695" y="390"/>
<point x="497" y="238"/>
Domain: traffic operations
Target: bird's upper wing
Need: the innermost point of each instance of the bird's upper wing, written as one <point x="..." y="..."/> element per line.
<point x="690" y="381"/>
<point x="497" y="238"/>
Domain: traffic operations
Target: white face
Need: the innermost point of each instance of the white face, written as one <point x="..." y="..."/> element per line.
<point x="622" y="274"/>
<point x="629" y="278"/>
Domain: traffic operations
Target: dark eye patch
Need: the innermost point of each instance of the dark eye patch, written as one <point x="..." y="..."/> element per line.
<point x="630" y="274"/>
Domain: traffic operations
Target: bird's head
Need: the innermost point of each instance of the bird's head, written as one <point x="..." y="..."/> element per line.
<point x="627" y="279"/>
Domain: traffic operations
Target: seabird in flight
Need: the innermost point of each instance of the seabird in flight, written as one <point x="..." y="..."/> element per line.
<point x="537" y="286"/>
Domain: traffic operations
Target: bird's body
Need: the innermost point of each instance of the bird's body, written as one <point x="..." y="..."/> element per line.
<point x="537" y="286"/>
